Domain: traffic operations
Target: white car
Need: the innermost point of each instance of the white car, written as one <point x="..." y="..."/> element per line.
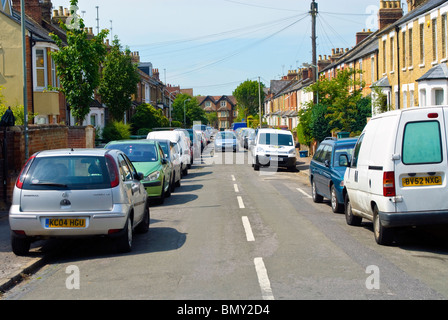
<point x="398" y="172"/>
<point x="78" y="193"/>
<point x="274" y="147"/>
<point x="175" y="137"/>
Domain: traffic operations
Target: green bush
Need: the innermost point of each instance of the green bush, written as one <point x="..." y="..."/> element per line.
<point x="116" y="130"/>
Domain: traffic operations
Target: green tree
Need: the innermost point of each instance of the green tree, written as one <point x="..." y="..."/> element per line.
<point x="77" y="64"/>
<point x="119" y="81"/>
<point x="247" y="96"/>
<point x="193" y="112"/>
<point x="304" y="134"/>
<point x="148" y="117"/>
<point x="340" y="95"/>
<point x="320" y="125"/>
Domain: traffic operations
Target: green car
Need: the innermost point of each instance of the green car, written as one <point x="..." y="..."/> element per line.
<point x="147" y="157"/>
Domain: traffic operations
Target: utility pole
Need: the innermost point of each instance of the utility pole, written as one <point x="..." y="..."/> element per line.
<point x="97" y="20"/>
<point x="313" y="13"/>
<point x="259" y="103"/>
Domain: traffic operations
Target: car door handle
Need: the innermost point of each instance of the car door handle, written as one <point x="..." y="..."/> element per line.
<point x="356" y="176"/>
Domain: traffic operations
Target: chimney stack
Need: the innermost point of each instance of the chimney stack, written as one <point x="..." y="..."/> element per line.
<point x="390" y="11"/>
<point x="360" y="36"/>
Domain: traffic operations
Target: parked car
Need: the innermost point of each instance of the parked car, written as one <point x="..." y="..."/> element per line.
<point x="78" y="193"/>
<point x="148" y="157"/>
<point x="327" y="170"/>
<point x="398" y="172"/>
<point x="186" y="136"/>
<point x="173" y="156"/>
<point x="274" y="146"/>
<point x="175" y="137"/>
<point x="196" y="145"/>
<point x="226" y="141"/>
<point x="244" y="137"/>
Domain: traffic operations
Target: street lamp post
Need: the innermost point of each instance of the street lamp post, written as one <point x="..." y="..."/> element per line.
<point x="185" y="122"/>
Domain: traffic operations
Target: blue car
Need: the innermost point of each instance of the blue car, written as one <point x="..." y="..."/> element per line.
<point x="327" y="171"/>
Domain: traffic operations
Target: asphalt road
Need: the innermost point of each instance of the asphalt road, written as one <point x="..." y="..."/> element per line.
<point x="231" y="233"/>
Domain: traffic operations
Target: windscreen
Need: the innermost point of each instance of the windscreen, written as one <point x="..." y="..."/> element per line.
<point x="275" y="139"/>
<point x="138" y="152"/>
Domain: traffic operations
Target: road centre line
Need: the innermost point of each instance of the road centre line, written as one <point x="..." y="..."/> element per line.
<point x="303" y="192"/>
<point x="233" y="177"/>
<point x="240" y="202"/>
<point x="235" y="186"/>
<point x="248" y="229"/>
<point x="263" y="279"/>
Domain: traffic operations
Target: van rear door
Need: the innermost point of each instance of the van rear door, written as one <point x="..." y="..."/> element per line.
<point x="420" y="171"/>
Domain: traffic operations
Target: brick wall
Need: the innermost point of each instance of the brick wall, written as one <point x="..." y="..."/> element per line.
<point x="40" y="137"/>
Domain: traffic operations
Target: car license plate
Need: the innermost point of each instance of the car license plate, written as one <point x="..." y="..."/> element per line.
<point x="65" y="223"/>
<point x="421" y="181"/>
<point x="274" y="159"/>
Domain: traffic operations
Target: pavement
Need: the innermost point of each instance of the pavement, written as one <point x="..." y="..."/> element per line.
<point x="14" y="269"/>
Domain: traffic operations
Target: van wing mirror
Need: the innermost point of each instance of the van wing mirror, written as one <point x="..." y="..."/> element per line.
<point x="344" y="161"/>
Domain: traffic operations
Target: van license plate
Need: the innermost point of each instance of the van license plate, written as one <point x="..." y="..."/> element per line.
<point x="65" y="223"/>
<point x="421" y="181"/>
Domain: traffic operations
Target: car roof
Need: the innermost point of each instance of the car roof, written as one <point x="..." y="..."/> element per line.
<point x="133" y="141"/>
<point x="330" y="140"/>
<point x="269" y="130"/>
<point x="72" y="151"/>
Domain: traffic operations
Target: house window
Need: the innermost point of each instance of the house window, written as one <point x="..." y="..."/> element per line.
<point x="392" y="54"/>
<point x="444" y="37"/>
<point x="404" y="48"/>
<point x="422" y="97"/>
<point x="422" y="44"/>
<point x="434" y="40"/>
<point x="410" y="52"/>
<point x="93" y="119"/>
<point x="439" y="96"/>
<point x="384" y="56"/>
<point x="208" y="104"/>
<point x="223" y="103"/>
<point x="53" y="74"/>
<point x="41" y="67"/>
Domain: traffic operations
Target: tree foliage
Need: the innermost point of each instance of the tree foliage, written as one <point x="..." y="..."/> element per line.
<point x="246" y="94"/>
<point x="193" y="112"/>
<point x="147" y="117"/>
<point x="119" y="81"/>
<point x="77" y="65"/>
<point x="341" y="107"/>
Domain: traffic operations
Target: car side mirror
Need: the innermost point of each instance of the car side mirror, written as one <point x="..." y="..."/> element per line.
<point x="140" y="176"/>
<point x="343" y="161"/>
<point x="164" y="161"/>
<point x="327" y="163"/>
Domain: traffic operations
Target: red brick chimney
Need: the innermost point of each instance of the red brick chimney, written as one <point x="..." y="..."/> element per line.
<point x="362" y="35"/>
<point x="33" y="9"/>
<point x="390" y="11"/>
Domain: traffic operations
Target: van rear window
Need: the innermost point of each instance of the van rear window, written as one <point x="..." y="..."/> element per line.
<point x="422" y="143"/>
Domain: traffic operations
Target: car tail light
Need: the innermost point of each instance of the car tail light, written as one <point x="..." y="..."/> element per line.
<point x="388" y="184"/>
<point x="433" y="115"/>
<point x="113" y="171"/>
<point x="22" y="175"/>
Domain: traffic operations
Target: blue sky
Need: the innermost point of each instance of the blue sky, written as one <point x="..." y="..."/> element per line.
<point x="214" y="45"/>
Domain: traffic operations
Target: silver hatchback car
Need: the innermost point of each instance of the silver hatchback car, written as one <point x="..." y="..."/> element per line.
<point x="77" y="193"/>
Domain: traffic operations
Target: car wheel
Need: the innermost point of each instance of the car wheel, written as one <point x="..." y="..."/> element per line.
<point x="173" y="184"/>
<point x="143" y="227"/>
<point x="178" y="183"/>
<point x="124" y="241"/>
<point x="316" y="197"/>
<point x="335" y="205"/>
<point x="383" y="236"/>
<point x="20" y="246"/>
<point x="351" y="219"/>
<point x="162" y="193"/>
<point x="168" y="191"/>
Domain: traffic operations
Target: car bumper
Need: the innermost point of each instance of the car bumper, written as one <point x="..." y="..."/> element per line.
<point x="153" y="188"/>
<point x="279" y="161"/>
<point x="407" y="219"/>
<point x="34" y="224"/>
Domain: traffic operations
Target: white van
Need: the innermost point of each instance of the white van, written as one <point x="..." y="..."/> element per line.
<point x="174" y="137"/>
<point x="274" y="147"/>
<point x="398" y="171"/>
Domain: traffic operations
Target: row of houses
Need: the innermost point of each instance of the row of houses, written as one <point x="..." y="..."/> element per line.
<point x="50" y="107"/>
<point x="405" y="58"/>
